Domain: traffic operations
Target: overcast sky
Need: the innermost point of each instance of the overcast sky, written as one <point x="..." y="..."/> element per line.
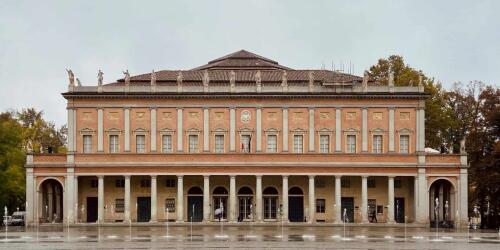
<point x="449" y="40"/>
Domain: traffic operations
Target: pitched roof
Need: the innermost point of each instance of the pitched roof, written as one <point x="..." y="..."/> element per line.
<point x="245" y="66"/>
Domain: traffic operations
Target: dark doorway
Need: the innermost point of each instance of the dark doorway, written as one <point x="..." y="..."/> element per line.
<point x="347" y="208"/>
<point x="195" y="204"/>
<point x="295" y="205"/>
<point x="91" y="209"/>
<point x="399" y="210"/>
<point x="143" y="209"/>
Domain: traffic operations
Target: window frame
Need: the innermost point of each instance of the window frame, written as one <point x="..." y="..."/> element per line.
<point x="377" y="150"/>
<point x="167" y="132"/>
<point x="408" y="132"/>
<point x="137" y="149"/>
<point x="191" y="133"/>
<point x="325" y="132"/>
<point x="87" y="132"/>
<point x="219" y="150"/>
<point x="272" y="132"/>
<point x="320" y="205"/>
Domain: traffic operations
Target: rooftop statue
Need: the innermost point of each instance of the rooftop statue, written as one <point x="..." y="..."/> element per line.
<point x="258" y="77"/>
<point x="153" y="78"/>
<point x="100" y="77"/>
<point x="284" y="79"/>
<point x="127" y="77"/>
<point x="206" y="78"/>
<point x="71" y="77"/>
<point x="78" y="83"/>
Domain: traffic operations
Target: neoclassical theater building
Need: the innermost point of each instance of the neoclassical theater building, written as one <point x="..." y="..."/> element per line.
<point x="247" y="136"/>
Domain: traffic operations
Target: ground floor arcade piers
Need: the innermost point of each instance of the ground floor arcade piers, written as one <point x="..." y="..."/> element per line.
<point x="257" y="198"/>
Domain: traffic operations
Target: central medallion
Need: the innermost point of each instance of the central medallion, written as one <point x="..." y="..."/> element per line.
<point x="245" y="116"/>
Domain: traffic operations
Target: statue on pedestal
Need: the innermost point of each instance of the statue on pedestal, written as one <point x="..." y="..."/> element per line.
<point x="127" y="77"/>
<point x="100" y="77"/>
<point x="71" y="77"/>
<point x="153" y="78"/>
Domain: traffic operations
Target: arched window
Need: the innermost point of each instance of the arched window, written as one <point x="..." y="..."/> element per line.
<point x="295" y="191"/>
<point x="245" y="190"/>
<point x="270" y="191"/>
<point x="220" y="190"/>
<point x="195" y="190"/>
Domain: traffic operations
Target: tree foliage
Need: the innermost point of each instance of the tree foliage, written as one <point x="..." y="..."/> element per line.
<point x="469" y="111"/>
<point x="17" y="131"/>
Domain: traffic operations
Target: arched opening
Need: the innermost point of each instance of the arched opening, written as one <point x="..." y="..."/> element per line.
<point x="245" y="199"/>
<point x="270" y="200"/>
<point x="219" y="197"/>
<point x="295" y="205"/>
<point x="52" y="201"/>
<point x="195" y="204"/>
<point x="442" y="203"/>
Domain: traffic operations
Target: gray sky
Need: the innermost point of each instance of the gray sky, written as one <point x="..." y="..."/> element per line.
<point x="449" y="40"/>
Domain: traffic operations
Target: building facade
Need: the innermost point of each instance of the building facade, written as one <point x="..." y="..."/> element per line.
<point x="251" y="139"/>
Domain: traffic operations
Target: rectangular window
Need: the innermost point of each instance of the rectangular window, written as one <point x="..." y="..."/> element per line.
<point x="298" y="143"/>
<point x="114" y="144"/>
<point x="166" y="143"/>
<point x="404" y="142"/>
<point x="170" y="205"/>
<point x="94" y="183"/>
<point x="119" y="205"/>
<point x="120" y="183"/>
<point x="320" y="206"/>
<point x="324" y="144"/>
<point x="272" y="143"/>
<point x="145" y="183"/>
<point x="372" y="183"/>
<point x="377" y="144"/>
<point x="319" y="183"/>
<point x="397" y="183"/>
<point x="170" y="183"/>
<point x="140" y="143"/>
<point x="351" y="144"/>
<point x="193" y="143"/>
<point x="219" y="143"/>
<point x="87" y="144"/>
<point x="245" y="143"/>
<point x="345" y="183"/>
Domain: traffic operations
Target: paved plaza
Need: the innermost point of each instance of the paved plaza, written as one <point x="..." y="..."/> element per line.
<point x="244" y="237"/>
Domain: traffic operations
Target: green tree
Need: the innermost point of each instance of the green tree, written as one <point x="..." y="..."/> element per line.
<point x="438" y="116"/>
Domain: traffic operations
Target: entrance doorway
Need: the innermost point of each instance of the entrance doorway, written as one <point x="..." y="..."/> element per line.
<point x="270" y="198"/>
<point x="195" y="204"/>
<point x="91" y="209"/>
<point x="143" y="209"/>
<point x="52" y="201"/>
<point x="245" y="198"/>
<point x="220" y="201"/>
<point x="442" y="203"/>
<point x="399" y="210"/>
<point x="347" y="209"/>
<point x="295" y="205"/>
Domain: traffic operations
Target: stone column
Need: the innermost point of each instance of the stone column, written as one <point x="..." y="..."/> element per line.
<point x="258" y="202"/>
<point x="180" y="199"/>
<point x="285" y="130"/>
<point x="285" y="198"/>
<point x="100" y="130"/>
<point x="338" y="199"/>
<point x="232" y="198"/>
<point x="30" y="197"/>
<point x="364" y="199"/>
<point x="100" y="199"/>
<point x="69" y="196"/>
<point x="126" y="132"/>
<point x="179" y="130"/>
<point x="232" y="129"/>
<point x="58" y="195"/>
<point x="127" y="199"/>
<point x="422" y="129"/>
<point x="423" y="197"/>
<point x="391" y="129"/>
<point x="154" y="194"/>
<point x="206" y="130"/>
<point x="259" y="130"/>
<point x="390" y="200"/>
<point x="311" y="129"/>
<point x="463" y="197"/>
<point x="75" y="199"/>
<point x="71" y="134"/>
<point x="49" y="209"/>
<point x="338" y="130"/>
<point x="206" y="198"/>
<point x="364" y="130"/>
<point x="312" y="200"/>
<point x="153" y="130"/>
